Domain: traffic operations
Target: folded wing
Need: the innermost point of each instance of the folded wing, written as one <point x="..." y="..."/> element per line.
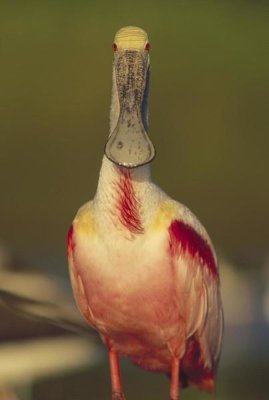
<point x="194" y="258"/>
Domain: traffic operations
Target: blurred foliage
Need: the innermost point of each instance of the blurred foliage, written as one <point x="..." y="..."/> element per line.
<point x="208" y="113"/>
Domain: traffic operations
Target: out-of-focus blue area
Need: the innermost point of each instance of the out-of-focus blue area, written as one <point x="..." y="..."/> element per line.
<point x="208" y="120"/>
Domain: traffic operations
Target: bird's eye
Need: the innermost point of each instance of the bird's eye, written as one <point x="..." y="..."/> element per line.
<point x="114" y="47"/>
<point x="148" y="47"/>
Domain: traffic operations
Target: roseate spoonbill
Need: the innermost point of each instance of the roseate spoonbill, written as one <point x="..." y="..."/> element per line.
<point x="143" y="269"/>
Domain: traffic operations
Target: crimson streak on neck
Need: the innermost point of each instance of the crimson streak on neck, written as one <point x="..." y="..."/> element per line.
<point x="128" y="204"/>
<point x="185" y="239"/>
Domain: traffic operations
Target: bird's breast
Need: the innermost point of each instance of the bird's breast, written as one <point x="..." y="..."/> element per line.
<point x="129" y="289"/>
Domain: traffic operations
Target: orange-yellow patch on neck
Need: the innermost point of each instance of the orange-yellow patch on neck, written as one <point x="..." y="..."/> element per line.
<point x="84" y="221"/>
<point x="166" y="212"/>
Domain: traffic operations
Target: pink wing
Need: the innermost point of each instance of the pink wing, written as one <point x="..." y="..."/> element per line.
<point x="76" y="281"/>
<point x="193" y="257"/>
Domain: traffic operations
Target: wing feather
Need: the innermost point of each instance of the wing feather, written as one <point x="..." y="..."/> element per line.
<point x="193" y="252"/>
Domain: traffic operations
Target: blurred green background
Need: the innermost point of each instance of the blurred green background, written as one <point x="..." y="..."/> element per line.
<point x="208" y="120"/>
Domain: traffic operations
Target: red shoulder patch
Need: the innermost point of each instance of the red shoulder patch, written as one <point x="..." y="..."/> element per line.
<point x="70" y="240"/>
<point x="185" y="238"/>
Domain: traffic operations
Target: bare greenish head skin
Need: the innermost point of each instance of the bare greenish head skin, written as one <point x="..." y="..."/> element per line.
<point x="131" y="38"/>
<point x="129" y="144"/>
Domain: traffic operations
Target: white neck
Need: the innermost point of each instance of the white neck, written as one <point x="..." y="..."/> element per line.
<point x="113" y="178"/>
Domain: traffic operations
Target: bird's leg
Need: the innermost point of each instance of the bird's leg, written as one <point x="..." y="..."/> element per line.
<point x="174" y="384"/>
<point x="115" y="375"/>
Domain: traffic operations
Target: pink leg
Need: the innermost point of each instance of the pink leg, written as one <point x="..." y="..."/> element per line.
<point x="174" y="385"/>
<point x="117" y="391"/>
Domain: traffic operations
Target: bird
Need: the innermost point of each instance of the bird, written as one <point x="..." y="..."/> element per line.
<point x="143" y="269"/>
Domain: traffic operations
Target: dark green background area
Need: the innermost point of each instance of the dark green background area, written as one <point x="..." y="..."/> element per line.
<point x="208" y="113"/>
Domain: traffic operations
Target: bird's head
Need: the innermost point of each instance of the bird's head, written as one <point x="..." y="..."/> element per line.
<point x="129" y="145"/>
